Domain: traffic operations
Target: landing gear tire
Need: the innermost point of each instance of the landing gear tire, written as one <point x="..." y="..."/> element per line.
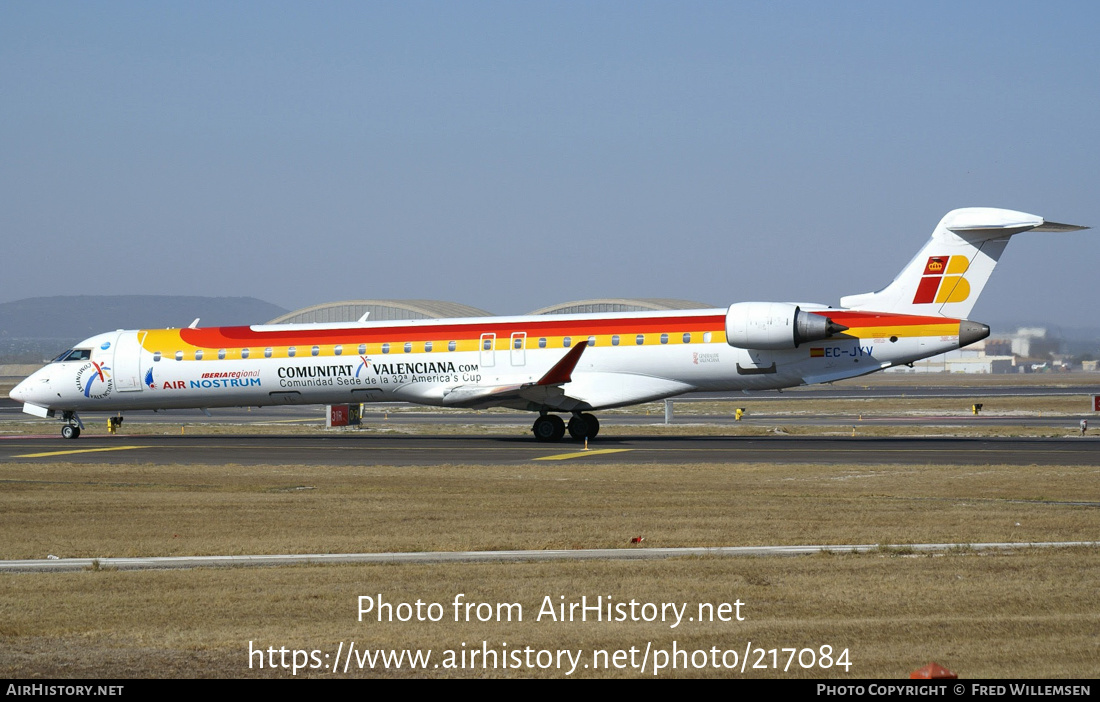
<point x="584" y="426"/>
<point x="70" y="431"/>
<point x="549" y="427"/>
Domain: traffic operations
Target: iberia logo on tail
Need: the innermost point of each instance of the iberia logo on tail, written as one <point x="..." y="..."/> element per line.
<point x="943" y="281"/>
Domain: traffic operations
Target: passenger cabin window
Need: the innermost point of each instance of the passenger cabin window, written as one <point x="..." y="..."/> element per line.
<point x="292" y="351"/>
<point x="614" y="339"/>
<point x="408" y="347"/>
<point x="179" y="355"/>
<point x="640" y="339"/>
<point x="385" y="348"/>
<point x="451" y="345"/>
<point x="338" y="350"/>
<point x="687" y="337"/>
<point x="488" y="344"/>
<point x="362" y="349"/>
<point x="542" y="342"/>
<point x="244" y="353"/>
<point x="428" y="346"/>
<point x="316" y="350"/>
<point x="591" y="341"/>
<point x="221" y="354"/>
<point x="198" y="355"/>
<point x="156" y="356"/>
<point x="664" y="338"/>
<point x="706" y="337"/>
<point x="267" y="352"/>
<point x="567" y="342"/>
<point x="517" y="343"/>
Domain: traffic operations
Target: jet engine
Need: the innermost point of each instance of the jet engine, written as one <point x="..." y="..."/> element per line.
<point x="775" y="326"/>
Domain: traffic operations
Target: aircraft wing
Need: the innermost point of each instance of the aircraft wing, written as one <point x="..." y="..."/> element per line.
<point x="544" y="391"/>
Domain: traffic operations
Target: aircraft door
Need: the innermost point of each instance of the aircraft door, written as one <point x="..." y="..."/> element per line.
<point x="518" y="348"/>
<point x="127" y="361"/>
<point x="488" y="350"/>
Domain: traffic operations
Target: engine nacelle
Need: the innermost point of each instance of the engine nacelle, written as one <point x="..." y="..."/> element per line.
<point x="775" y="326"/>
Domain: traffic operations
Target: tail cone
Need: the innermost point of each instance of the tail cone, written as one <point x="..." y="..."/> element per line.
<point x="970" y="332"/>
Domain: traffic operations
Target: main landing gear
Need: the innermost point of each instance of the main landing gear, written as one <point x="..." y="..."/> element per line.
<point x="584" y="426"/>
<point x="72" y="427"/>
<point x="551" y="427"/>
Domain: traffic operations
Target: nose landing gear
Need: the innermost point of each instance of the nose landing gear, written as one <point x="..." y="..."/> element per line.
<point x="72" y="427"/>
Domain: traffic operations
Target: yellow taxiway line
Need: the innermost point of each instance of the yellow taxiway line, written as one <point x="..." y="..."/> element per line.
<point x="580" y="454"/>
<point x="64" y="453"/>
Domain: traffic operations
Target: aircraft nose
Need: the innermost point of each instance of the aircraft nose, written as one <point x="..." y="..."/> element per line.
<point x="34" y="388"/>
<point x="19" y="392"/>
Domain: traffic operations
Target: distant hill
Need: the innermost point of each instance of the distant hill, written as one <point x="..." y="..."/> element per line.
<point x="47" y="324"/>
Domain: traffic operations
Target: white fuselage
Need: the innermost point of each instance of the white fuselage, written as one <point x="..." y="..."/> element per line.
<point x="632" y="357"/>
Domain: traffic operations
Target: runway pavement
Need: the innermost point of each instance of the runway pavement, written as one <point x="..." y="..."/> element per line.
<point x="65" y="565"/>
<point x="624" y="437"/>
<point x="367" y="448"/>
<point x="378" y="416"/>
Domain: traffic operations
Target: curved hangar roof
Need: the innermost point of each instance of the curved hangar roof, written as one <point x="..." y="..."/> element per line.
<point x="390" y="310"/>
<point x="616" y="304"/>
<point x="380" y="311"/>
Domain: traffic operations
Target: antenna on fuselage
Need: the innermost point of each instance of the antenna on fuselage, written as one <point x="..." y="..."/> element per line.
<point x="194" y="325"/>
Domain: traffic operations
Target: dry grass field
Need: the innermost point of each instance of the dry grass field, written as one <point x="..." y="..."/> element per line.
<point x="123" y="510"/>
<point x="1033" y="613"/>
<point x="1027" y="613"/>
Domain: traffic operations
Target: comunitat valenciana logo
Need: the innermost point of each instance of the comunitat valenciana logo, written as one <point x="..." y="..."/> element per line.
<point x="94" y="380"/>
<point x="363" y="365"/>
<point x="943" y="281"/>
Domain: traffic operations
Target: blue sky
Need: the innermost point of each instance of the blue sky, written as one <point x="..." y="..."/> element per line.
<point x="514" y="155"/>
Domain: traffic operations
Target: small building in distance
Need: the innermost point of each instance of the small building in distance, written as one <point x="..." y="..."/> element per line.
<point x="1026" y="350"/>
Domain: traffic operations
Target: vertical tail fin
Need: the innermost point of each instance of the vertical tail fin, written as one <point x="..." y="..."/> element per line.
<point x="949" y="273"/>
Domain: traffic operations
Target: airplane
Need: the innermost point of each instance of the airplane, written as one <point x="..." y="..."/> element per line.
<point x="554" y="365"/>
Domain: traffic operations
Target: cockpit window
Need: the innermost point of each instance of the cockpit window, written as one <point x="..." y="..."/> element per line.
<point x="73" y="355"/>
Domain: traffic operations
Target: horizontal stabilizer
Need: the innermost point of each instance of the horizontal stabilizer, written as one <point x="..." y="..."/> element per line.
<point x="1057" y="227"/>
